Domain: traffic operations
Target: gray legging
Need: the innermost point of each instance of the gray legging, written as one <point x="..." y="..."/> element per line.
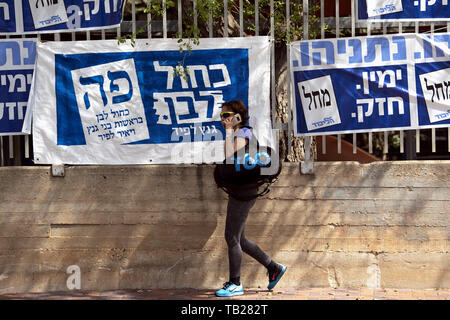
<point x="237" y="212"/>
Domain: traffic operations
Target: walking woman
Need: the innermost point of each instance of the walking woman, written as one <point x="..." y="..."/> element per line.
<point x="234" y="116"/>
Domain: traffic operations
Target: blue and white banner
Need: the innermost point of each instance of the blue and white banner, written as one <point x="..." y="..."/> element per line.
<point x="372" y="83"/>
<point x="40" y="16"/>
<point x="403" y="10"/>
<point x="17" y="58"/>
<point x="98" y="102"/>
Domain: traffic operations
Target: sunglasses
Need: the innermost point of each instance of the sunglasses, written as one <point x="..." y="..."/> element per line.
<point x="226" y="114"/>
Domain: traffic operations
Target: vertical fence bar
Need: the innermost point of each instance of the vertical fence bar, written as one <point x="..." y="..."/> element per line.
<point x="164" y="19"/>
<point x="352" y="13"/>
<point x="256" y="18"/>
<point x="307" y="141"/>
<point x="272" y="20"/>
<point x="339" y="136"/>
<point x="322" y="36"/>
<point x="133" y="16"/>
<point x="369" y="26"/>
<point x="385" y="133"/>
<point x="402" y="141"/>
<point x="322" y="19"/>
<point x="27" y="146"/>
<point x="11" y="147"/>
<point x="337" y="19"/>
<point x="210" y="24"/>
<point x="416" y="29"/>
<point x="448" y="139"/>
<point x="241" y="18"/>
<point x="386" y="142"/>
<point x="433" y="140"/>
<point x="417" y="141"/>
<point x="180" y="18"/>
<point x="289" y="83"/>
<point x="149" y="20"/>
<point x="225" y="18"/>
<point x="339" y="144"/>
<point x="402" y="136"/>
<point x="272" y="67"/>
<point x="194" y="4"/>
<point x="433" y="130"/>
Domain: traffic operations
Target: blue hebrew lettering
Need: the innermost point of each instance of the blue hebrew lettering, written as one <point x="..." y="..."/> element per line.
<point x="428" y="48"/>
<point x="113" y="76"/>
<point x="12" y="83"/>
<point x="357" y="53"/>
<point x="442" y="38"/>
<point x="5" y="9"/>
<point x="372" y="43"/>
<point x="393" y="77"/>
<point x="15" y="49"/>
<point x="329" y="50"/>
<point x="401" y="48"/>
<point x="192" y="114"/>
<point x="225" y="76"/>
<point x="204" y="72"/>
<point x="94" y="80"/>
<point x="304" y="53"/>
<point x="171" y="114"/>
<point x="341" y="47"/>
<point x="107" y="6"/>
<point x="31" y="48"/>
<point x="170" y="72"/>
<point x="87" y="12"/>
<point x="211" y="97"/>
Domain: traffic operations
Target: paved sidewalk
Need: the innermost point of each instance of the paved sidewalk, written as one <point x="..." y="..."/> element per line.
<point x="250" y="294"/>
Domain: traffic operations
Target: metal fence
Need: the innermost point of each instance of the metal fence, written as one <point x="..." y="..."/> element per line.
<point x="337" y="18"/>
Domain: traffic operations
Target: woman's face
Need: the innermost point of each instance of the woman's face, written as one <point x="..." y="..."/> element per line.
<point x="226" y="109"/>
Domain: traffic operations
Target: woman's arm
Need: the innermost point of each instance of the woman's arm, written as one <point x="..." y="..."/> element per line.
<point x="232" y="146"/>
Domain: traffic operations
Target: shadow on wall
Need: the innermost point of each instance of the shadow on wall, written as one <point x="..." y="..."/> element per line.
<point x="383" y="224"/>
<point x="183" y="243"/>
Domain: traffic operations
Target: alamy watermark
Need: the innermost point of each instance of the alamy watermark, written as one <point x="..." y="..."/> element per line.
<point x="199" y="146"/>
<point x="74" y="280"/>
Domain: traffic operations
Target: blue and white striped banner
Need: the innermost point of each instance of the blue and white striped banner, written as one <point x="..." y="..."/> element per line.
<point x="372" y="83"/>
<point x="44" y="16"/>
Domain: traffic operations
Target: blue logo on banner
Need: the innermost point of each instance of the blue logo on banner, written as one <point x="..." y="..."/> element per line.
<point x="174" y="108"/>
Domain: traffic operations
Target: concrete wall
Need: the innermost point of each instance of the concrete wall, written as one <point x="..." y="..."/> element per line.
<point x="384" y="224"/>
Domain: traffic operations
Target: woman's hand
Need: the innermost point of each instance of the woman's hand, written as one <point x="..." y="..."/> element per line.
<point x="227" y="123"/>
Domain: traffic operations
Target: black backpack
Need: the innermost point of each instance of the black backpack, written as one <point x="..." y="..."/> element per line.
<point x="249" y="168"/>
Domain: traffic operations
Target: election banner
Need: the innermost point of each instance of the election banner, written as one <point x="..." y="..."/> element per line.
<point x="49" y="16"/>
<point x="403" y="10"/>
<point x="17" y="57"/>
<point x="100" y="102"/>
<point x="375" y="83"/>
